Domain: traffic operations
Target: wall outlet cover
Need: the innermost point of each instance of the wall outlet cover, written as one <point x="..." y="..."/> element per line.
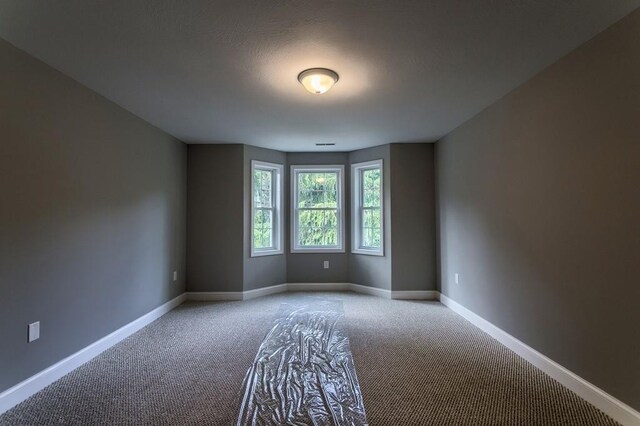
<point x="33" y="331"/>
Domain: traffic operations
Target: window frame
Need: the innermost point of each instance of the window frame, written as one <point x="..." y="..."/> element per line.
<point x="333" y="168"/>
<point x="277" y="186"/>
<point x="357" y="208"/>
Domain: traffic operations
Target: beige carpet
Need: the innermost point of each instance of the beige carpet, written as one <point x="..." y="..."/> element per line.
<point x="418" y="363"/>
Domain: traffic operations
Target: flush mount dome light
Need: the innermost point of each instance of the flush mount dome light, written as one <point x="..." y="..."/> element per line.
<point x="318" y="80"/>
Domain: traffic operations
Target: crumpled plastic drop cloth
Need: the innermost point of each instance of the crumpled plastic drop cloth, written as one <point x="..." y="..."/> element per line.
<point x="303" y="373"/>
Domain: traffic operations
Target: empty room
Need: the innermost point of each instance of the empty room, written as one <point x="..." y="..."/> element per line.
<point x="325" y="213"/>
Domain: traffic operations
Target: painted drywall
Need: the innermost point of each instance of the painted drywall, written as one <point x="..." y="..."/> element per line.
<point x="413" y="217"/>
<point x="262" y="271"/>
<point x="215" y="218"/>
<point x="92" y="210"/>
<point x="539" y="207"/>
<point x="308" y="267"/>
<point x="374" y="271"/>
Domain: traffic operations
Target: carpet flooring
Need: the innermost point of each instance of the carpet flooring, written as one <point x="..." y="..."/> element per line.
<point x="418" y="363"/>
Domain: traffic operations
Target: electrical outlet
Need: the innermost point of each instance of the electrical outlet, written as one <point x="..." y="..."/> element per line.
<point x="457" y="278"/>
<point x="175" y="275"/>
<point x="326" y="264"/>
<point x="33" y="331"/>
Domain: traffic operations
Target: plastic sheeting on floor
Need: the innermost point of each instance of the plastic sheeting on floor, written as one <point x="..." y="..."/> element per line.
<point x="304" y="373"/>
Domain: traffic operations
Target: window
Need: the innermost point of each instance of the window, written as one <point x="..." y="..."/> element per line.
<point x="316" y="209"/>
<point x="266" y="209"/>
<point x="367" y="208"/>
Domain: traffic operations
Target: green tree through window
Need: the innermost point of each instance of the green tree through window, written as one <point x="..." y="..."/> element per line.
<point x="263" y="210"/>
<point x="367" y="208"/>
<point x="317" y="209"/>
<point x="371" y="218"/>
<point x="266" y="206"/>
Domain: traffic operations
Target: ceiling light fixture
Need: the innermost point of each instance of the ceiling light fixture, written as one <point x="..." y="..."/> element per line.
<point x="318" y="80"/>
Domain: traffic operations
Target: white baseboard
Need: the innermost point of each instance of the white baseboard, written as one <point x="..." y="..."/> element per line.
<point x="228" y="296"/>
<point x="33" y="384"/>
<point x="214" y="296"/>
<point x="415" y="295"/>
<point x="373" y="291"/>
<point x="318" y="286"/>
<point x="259" y="292"/>
<point x="221" y="296"/>
<point x="606" y="403"/>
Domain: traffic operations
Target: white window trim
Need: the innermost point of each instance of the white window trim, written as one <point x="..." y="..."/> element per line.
<point x="295" y="248"/>
<point x="278" y="219"/>
<point x="356" y="207"/>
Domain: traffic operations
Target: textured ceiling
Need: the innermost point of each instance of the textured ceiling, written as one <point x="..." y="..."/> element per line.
<point x="213" y="71"/>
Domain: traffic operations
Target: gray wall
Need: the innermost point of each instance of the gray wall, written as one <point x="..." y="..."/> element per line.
<point x="215" y="218"/>
<point x="413" y="217"/>
<point x="374" y="271"/>
<point x="539" y="209"/>
<point x="92" y="213"/>
<point x="262" y="271"/>
<point x="308" y="267"/>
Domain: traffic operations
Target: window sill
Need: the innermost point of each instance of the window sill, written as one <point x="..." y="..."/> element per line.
<point x="317" y="250"/>
<point x="368" y="252"/>
<point x="266" y="253"/>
